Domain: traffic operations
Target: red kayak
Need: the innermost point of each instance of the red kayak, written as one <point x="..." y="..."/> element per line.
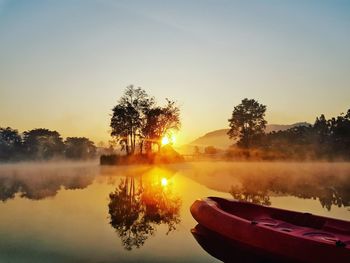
<point x="295" y="236"/>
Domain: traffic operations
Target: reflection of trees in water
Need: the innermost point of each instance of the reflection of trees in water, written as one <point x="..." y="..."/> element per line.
<point x="250" y="195"/>
<point x="8" y="188"/>
<point x="136" y="210"/>
<point x="329" y="190"/>
<point x="331" y="197"/>
<point x="40" y="186"/>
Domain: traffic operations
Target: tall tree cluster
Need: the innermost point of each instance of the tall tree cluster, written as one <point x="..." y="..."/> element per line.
<point x="138" y="122"/>
<point x="325" y="139"/>
<point x="247" y="122"/>
<point x="10" y="143"/>
<point x="42" y="144"/>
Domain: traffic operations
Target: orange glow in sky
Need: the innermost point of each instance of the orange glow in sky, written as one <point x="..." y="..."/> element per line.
<point x="72" y="73"/>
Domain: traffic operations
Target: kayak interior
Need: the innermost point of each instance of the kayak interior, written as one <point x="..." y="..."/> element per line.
<point x="296" y="223"/>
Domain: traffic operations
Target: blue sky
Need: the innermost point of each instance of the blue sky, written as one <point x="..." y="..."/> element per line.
<point x="64" y="64"/>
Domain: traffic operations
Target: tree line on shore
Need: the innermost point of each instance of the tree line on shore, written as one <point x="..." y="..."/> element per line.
<point x="138" y="125"/>
<point x="327" y="139"/>
<point x="42" y="144"/>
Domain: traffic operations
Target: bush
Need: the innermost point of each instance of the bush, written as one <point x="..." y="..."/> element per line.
<point x="210" y="150"/>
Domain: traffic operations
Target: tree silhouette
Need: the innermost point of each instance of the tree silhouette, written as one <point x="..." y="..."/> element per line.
<point x="196" y="150"/>
<point x="158" y="122"/>
<point x="340" y="134"/>
<point x="210" y="150"/>
<point x="128" y="115"/>
<point x="325" y="139"/>
<point x="42" y="144"/>
<point x="79" y="148"/>
<point x="247" y="122"/>
<point x="321" y="129"/>
<point x="136" y="120"/>
<point x="10" y="144"/>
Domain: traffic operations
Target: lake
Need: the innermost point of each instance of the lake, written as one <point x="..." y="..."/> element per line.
<point x="82" y="212"/>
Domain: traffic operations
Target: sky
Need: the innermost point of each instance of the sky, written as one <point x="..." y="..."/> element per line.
<point x="64" y="64"/>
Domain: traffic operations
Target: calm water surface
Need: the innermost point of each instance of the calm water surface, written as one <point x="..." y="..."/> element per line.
<point x="81" y="212"/>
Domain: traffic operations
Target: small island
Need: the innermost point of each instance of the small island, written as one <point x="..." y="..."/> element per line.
<point x="144" y="130"/>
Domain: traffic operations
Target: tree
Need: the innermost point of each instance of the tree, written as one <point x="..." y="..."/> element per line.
<point x="10" y="144"/>
<point x="136" y="119"/>
<point x="159" y="121"/>
<point x="210" y="150"/>
<point x="126" y="121"/>
<point x="43" y="144"/>
<point x="247" y="122"/>
<point x="321" y="127"/>
<point x="340" y="134"/>
<point x="196" y="150"/>
<point x="79" y="148"/>
<point x="122" y="119"/>
<point x="170" y="118"/>
<point x="322" y="134"/>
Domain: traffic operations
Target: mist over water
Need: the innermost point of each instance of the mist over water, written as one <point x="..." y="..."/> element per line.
<point x="80" y="211"/>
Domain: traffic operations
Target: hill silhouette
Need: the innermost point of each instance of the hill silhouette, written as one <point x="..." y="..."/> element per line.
<point x="220" y="139"/>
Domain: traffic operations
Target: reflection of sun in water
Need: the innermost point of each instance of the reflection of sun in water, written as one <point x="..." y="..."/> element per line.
<point x="164" y="181"/>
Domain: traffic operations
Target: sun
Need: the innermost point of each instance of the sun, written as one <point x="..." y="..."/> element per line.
<point x="164" y="181"/>
<point x="168" y="139"/>
<point x="165" y="140"/>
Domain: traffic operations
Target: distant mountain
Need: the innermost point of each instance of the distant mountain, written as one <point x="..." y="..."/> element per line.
<point x="283" y="127"/>
<point x="219" y="138"/>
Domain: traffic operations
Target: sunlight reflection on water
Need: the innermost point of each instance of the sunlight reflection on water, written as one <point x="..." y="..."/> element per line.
<point x="83" y="212"/>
